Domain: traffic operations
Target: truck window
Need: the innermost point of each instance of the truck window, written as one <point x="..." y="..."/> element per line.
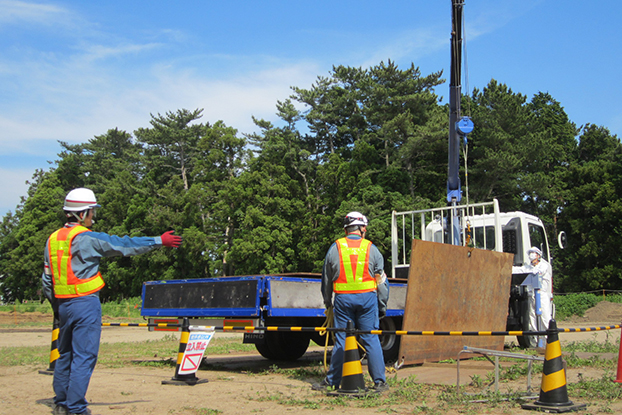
<point x="538" y="239"/>
<point x="486" y="241"/>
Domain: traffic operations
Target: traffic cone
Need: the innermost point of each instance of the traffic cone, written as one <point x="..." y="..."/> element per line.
<point x="54" y="355"/>
<point x="352" y="380"/>
<point x="619" y="374"/>
<point x="178" y="379"/>
<point x="553" y="392"/>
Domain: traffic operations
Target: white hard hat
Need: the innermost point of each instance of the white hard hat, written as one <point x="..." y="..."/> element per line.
<point x="80" y="199"/>
<point x="355" y="219"/>
<point x="534" y="249"/>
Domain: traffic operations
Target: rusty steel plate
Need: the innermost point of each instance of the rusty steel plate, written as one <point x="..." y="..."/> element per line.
<point x="454" y="288"/>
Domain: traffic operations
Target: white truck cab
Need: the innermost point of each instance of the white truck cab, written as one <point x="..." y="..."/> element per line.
<point x="482" y="226"/>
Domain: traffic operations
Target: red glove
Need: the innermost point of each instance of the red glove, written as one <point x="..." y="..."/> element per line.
<point x="170" y="240"/>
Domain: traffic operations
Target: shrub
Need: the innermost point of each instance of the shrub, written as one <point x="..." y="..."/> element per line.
<point x="574" y="304"/>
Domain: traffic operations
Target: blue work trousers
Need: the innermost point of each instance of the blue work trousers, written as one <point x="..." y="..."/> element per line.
<point x="78" y="345"/>
<point x="362" y="310"/>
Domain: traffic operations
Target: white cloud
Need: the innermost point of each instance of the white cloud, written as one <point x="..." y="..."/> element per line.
<point x="100" y="52"/>
<point x="20" y="11"/>
<point x="14" y="186"/>
<point x="76" y="105"/>
<point x="234" y="100"/>
<point x="81" y="113"/>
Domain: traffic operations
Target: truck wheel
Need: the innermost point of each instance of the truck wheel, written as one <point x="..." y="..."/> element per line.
<point x="283" y="345"/>
<point x="390" y="342"/>
<point x="265" y="351"/>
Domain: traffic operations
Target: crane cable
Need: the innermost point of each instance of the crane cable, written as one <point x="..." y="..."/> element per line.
<point x="328" y="323"/>
<point x="465" y="149"/>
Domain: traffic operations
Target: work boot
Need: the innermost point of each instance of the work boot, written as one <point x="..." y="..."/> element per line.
<point x="60" y="410"/>
<point x="87" y="412"/>
<point x="322" y="386"/>
<point x="381" y="387"/>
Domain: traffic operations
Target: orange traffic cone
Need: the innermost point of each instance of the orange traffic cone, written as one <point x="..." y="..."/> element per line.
<point x="553" y="392"/>
<point x="178" y="379"/>
<point x="54" y="355"/>
<point x="619" y="374"/>
<point x="352" y="380"/>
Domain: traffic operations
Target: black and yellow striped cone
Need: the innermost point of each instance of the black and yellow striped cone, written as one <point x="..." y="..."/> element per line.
<point x="54" y="355"/>
<point x="553" y="392"/>
<point x="352" y="380"/>
<point x="183" y="342"/>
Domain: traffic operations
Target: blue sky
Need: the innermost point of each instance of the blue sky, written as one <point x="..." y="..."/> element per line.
<point x="70" y="70"/>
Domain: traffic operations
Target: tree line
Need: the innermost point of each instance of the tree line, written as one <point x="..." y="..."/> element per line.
<point x="372" y="140"/>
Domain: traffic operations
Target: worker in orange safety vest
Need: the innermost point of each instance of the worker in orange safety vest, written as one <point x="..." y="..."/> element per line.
<point x="72" y="282"/>
<point x="354" y="273"/>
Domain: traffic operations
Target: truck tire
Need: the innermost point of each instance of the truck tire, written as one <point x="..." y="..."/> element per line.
<point x="265" y="351"/>
<point x="390" y="342"/>
<point x="283" y="345"/>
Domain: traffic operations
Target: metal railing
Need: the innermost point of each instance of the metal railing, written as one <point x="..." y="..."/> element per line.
<point x="440" y="225"/>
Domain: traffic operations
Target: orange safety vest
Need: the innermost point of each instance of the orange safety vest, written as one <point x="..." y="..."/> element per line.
<point x="66" y="284"/>
<point x="354" y="276"/>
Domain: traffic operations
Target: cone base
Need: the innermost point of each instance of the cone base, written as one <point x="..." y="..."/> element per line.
<point x="569" y="407"/>
<point x="359" y="393"/>
<point x="46" y="372"/>
<point x="187" y="382"/>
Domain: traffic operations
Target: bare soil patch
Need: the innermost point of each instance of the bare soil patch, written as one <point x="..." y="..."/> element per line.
<point x="605" y="311"/>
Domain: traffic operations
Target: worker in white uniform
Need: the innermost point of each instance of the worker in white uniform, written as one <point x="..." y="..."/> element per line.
<point x="541" y="279"/>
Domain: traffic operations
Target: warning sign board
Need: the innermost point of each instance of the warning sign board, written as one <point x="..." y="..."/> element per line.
<point x="195" y="349"/>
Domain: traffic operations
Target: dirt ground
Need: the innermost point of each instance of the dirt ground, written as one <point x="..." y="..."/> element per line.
<point x="231" y="389"/>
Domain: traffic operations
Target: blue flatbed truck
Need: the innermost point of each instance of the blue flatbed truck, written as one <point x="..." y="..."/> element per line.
<point x="288" y="300"/>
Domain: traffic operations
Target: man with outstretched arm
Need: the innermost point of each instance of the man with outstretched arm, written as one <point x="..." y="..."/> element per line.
<point x="72" y="281"/>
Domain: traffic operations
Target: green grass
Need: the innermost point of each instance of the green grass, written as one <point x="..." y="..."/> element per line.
<point x="24" y="356"/>
<point x="603" y="388"/>
<point x="28" y="307"/>
<point x="159" y="353"/>
<point x="201" y="411"/>
<point x="593" y="346"/>
<point x="129" y="308"/>
<point x="315" y="369"/>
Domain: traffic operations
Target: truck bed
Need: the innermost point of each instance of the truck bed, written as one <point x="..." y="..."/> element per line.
<point x="254" y="296"/>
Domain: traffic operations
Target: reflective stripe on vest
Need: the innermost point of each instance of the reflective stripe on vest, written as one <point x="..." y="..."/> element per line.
<point x="354" y="274"/>
<point x="66" y="284"/>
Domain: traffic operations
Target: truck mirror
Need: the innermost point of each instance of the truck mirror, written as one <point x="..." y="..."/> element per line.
<point x="562" y="241"/>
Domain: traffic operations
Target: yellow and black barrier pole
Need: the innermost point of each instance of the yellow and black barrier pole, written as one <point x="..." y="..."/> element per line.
<point x="53" y="349"/>
<point x="378" y="332"/>
<point x="179" y="379"/>
<point x="553" y="392"/>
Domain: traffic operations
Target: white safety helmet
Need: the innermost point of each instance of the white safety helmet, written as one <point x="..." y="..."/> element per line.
<point x="355" y="219"/>
<point x="80" y="199"/>
<point x="534" y="249"/>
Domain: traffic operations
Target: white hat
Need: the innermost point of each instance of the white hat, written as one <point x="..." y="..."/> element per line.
<point x="355" y="219"/>
<point x="80" y="199"/>
<point x="534" y="249"/>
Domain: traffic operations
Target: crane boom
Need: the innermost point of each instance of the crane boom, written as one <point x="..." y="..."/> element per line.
<point x="454" y="191"/>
